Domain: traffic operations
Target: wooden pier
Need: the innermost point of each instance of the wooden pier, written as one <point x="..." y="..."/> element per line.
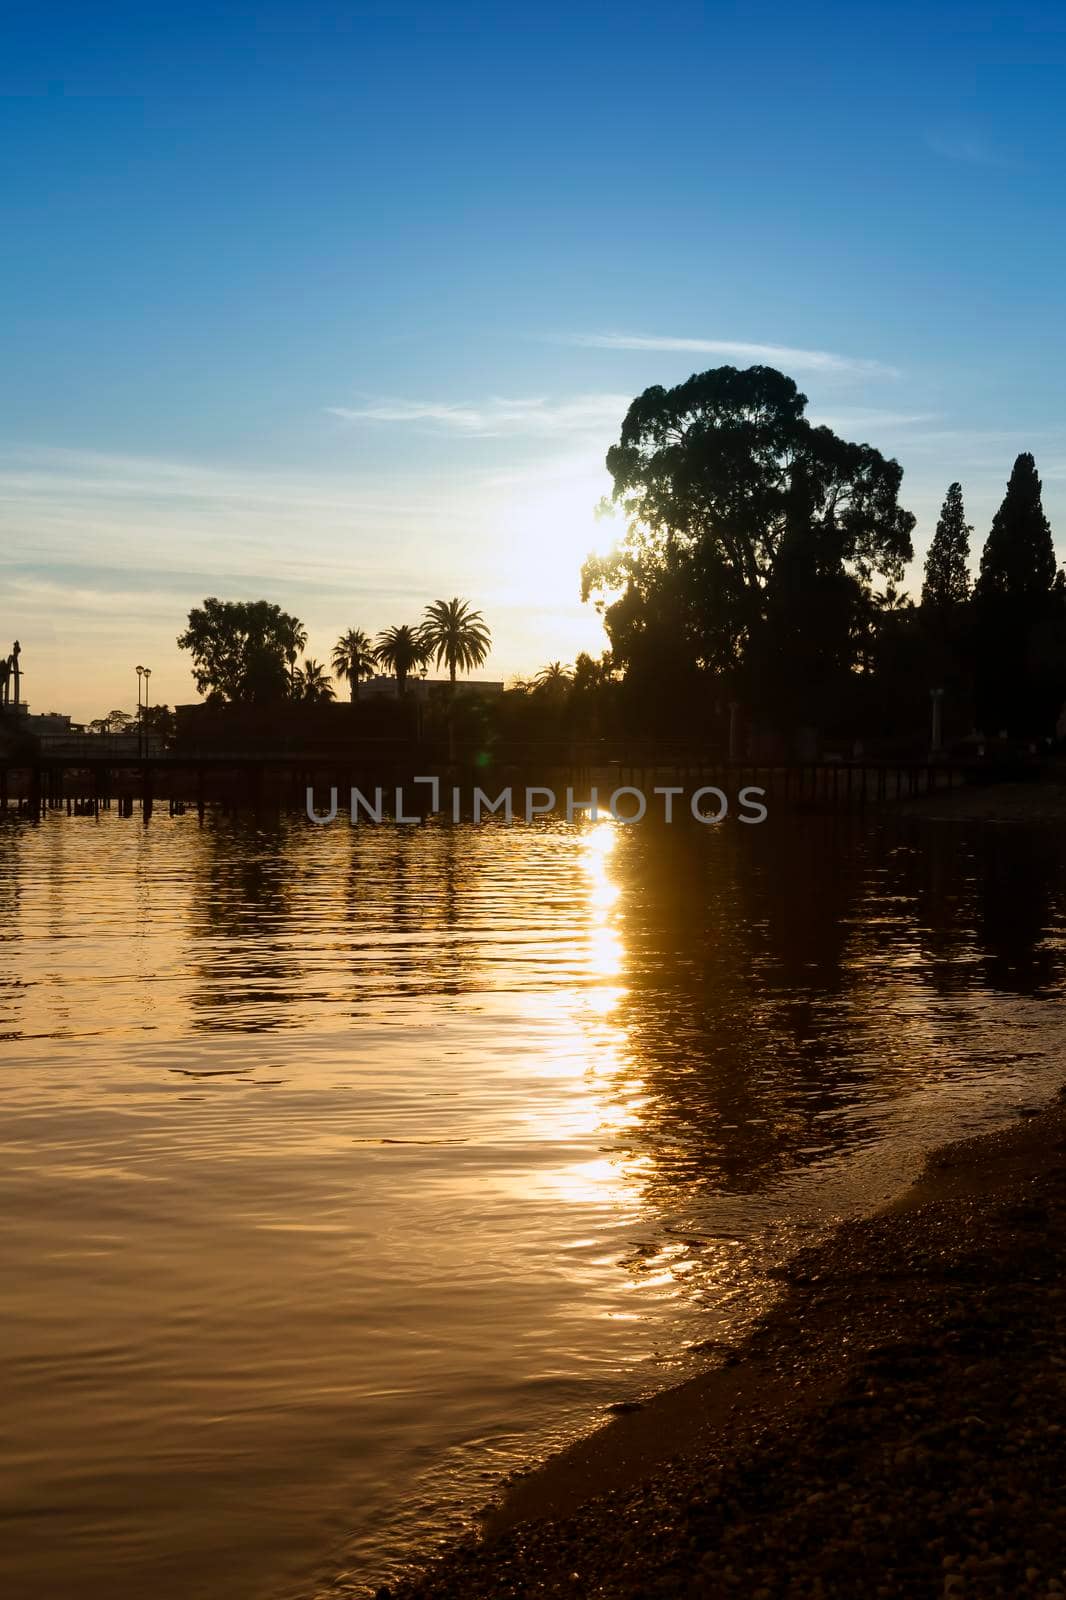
<point x="83" y="783"/>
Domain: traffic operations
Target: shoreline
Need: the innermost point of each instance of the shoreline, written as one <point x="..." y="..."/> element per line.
<point x="868" y="1437"/>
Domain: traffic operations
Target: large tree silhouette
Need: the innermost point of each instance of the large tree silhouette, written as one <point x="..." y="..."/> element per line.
<point x="754" y="544"/>
<point x="940" y="647"/>
<point x="240" y="649"/>
<point x="1019" y="615"/>
<point x="1018" y="560"/>
<point x="947" y="572"/>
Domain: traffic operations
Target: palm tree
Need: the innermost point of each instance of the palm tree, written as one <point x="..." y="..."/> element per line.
<point x="455" y="635"/>
<point x="400" y="649"/>
<point x="554" y="677"/>
<point x="295" y="637"/>
<point x="353" y="658"/>
<point x="312" y="683"/>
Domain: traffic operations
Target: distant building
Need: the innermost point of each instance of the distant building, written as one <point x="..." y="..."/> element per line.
<point x="288" y="727"/>
<point x="377" y="721"/>
<point x="386" y="688"/>
<point x="47" y="724"/>
<point x="56" y="735"/>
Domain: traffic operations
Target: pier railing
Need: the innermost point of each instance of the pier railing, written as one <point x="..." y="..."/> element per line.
<point x="83" y="778"/>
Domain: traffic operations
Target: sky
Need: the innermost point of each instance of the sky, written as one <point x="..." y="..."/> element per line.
<point x="341" y="305"/>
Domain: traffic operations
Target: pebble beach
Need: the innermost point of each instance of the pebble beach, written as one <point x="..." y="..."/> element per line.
<point x="894" y="1427"/>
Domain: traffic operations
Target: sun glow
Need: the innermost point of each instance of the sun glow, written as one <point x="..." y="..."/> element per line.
<point x="550" y="531"/>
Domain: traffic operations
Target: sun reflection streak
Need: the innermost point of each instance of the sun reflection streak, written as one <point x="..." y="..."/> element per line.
<point x="603" y="1107"/>
<point x="604" y="944"/>
<point x="598" y="843"/>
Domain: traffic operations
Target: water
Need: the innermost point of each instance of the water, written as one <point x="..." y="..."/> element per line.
<point x="344" y="1171"/>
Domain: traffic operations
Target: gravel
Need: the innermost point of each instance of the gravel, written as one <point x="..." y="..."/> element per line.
<point x="921" y="1451"/>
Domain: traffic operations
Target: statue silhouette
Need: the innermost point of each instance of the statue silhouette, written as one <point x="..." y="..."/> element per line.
<point x="9" y="670"/>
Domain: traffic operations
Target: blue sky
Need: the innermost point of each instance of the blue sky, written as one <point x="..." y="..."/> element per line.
<point x="343" y="304"/>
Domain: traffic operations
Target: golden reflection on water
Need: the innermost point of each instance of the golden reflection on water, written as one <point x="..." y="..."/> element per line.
<point x="604" y="936"/>
<point x="611" y="1105"/>
<point x="349" y="1167"/>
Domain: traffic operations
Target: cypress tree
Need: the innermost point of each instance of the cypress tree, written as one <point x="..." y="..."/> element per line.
<point x="947" y="576"/>
<point x="1018" y="561"/>
<point x="1017" y="603"/>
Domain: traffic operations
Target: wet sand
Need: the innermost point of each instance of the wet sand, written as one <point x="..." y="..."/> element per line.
<point x="896" y="1425"/>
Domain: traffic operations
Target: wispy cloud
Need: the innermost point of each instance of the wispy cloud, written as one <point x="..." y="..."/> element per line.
<point x="495" y="417"/>
<point x="101" y="555"/>
<point x="51" y="473"/>
<point x="965" y="145"/>
<point x="851" y="419"/>
<point x="778" y="355"/>
<point x="211" y="528"/>
<point x="984" y="452"/>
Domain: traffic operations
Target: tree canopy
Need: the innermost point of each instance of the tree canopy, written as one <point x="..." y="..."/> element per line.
<point x="115" y="722"/>
<point x="312" y="683"/>
<point x="400" y="650"/>
<point x="353" y="659"/>
<point x="455" y="635"/>
<point x="554" y="677"/>
<point x="241" y="650"/>
<point x="755" y="540"/>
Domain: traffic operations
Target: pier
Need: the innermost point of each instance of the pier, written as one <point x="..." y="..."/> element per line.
<point x="82" y="779"/>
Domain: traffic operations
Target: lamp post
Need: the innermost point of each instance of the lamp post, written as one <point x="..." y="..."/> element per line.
<point x="143" y="675"/>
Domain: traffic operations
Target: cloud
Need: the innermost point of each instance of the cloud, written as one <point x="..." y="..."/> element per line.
<point x="495" y="417"/>
<point x="779" y="355"/>
<point x="112" y="525"/>
<point x="46" y="473"/>
<point x="965" y="145"/>
<point x="101" y="556"/>
<point x="984" y="452"/>
<point x="851" y="419"/>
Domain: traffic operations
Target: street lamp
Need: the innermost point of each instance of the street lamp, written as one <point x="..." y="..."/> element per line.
<point x="143" y="674"/>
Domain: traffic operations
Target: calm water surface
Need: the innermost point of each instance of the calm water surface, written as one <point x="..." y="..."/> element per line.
<point x="344" y="1171"/>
